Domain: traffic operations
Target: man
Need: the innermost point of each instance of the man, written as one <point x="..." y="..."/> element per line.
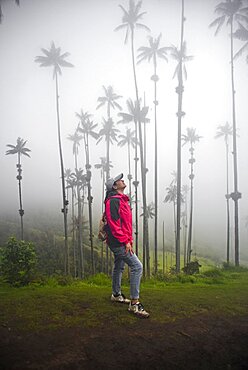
<point x="120" y="241"/>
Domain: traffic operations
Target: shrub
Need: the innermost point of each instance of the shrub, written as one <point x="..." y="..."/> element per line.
<point x="18" y="261"/>
<point x="192" y="268"/>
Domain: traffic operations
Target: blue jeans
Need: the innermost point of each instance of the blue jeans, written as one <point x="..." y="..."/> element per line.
<point x="136" y="268"/>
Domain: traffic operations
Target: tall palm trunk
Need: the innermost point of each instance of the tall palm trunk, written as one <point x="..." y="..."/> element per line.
<point x="73" y="220"/>
<point x="143" y="176"/>
<point x="73" y="231"/>
<point x="108" y="252"/>
<point x="136" y="194"/>
<point x="129" y="173"/>
<point x="163" y="250"/>
<point x="89" y="198"/>
<point x="108" y="147"/>
<point x="103" y="191"/>
<point x="108" y="159"/>
<point x="65" y="202"/>
<point x="227" y="208"/>
<point x="80" y="234"/>
<point x="236" y="195"/>
<point x="147" y="229"/>
<point x="19" y="177"/>
<point x="155" y="171"/>
<point x="175" y="227"/>
<point x="185" y="258"/>
<point x="179" y="135"/>
<point x="191" y="176"/>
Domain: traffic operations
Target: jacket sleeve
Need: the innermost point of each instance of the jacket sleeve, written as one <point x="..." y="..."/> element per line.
<point x="114" y="220"/>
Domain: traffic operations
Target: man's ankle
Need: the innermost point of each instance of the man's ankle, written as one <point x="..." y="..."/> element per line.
<point x="134" y="301"/>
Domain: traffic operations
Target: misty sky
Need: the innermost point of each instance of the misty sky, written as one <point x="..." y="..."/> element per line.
<point x="85" y="29"/>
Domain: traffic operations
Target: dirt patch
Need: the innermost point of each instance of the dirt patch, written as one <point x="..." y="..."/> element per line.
<point x="201" y="342"/>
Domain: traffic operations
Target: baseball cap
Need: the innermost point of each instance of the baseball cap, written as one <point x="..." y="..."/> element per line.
<point x="112" y="180"/>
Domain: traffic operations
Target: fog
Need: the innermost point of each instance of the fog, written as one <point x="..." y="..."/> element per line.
<point x="85" y="29"/>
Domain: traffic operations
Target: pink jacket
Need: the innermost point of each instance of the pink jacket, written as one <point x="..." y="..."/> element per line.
<point x="119" y="219"/>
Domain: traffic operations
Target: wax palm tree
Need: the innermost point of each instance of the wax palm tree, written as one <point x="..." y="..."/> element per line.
<point x="229" y="12"/>
<point x="153" y="52"/>
<point x="87" y="128"/>
<point x="109" y="99"/>
<point x="131" y="21"/>
<point x="171" y="197"/>
<point x="53" y="58"/>
<point x="72" y="185"/>
<point x="1" y="13"/>
<point x="109" y="132"/>
<point x="20" y="150"/>
<point x="103" y="166"/>
<point x="149" y="214"/>
<point x="190" y="138"/>
<point x="80" y="182"/>
<point x="184" y="217"/>
<point x="225" y="131"/>
<point x="135" y="114"/>
<point x="129" y="140"/>
<point x="75" y="138"/>
<point x="179" y="55"/>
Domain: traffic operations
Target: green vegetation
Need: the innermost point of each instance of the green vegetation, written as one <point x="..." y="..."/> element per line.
<point x="87" y="303"/>
<point x="17" y="261"/>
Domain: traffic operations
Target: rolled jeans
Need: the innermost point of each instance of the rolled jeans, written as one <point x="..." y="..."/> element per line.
<point x="136" y="268"/>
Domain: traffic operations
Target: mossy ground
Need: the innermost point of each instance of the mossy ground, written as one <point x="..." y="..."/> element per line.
<point x="199" y="320"/>
<point x="87" y="303"/>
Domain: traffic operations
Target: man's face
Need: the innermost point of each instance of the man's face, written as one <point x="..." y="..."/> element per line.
<point x="120" y="185"/>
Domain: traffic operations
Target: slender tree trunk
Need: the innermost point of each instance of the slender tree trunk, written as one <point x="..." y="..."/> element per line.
<point x="143" y="176"/>
<point x="103" y="188"/>
<point x="147" y="250"/>
<point x="73" y="232"/>
<point x="185" y="246"/>
<point x="129" y="174"/>
<point x="89" y="198"/>
<point x="73" y="222"/>
<point x="175" y="223"/>
<point x="91" y="228"/>
<point x="155" y="171"/>
<point x="136" y="194"/>
<point x="21" y="211"/>
<point x="227" y="208"/>
<point x="108" y="150"/>
<point x="163" y="251"/>
<point x="80" y="235"/>
<point x="146" y="230"/>
<point x="179" y="135"/>
<point x="185" y="231"/>
<point x="191" y="176"/>
<point x="236" y="195"/>
<point x="65" y="202"/>
<point x="108" y="256"/>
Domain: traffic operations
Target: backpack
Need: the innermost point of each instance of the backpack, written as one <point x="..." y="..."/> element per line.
<point x="102" y="235"/>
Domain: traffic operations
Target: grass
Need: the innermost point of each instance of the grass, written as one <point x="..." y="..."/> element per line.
<point x="87" y="303"/>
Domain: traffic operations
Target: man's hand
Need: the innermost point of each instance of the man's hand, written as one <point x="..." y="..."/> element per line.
<point x="129" y="248"/>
